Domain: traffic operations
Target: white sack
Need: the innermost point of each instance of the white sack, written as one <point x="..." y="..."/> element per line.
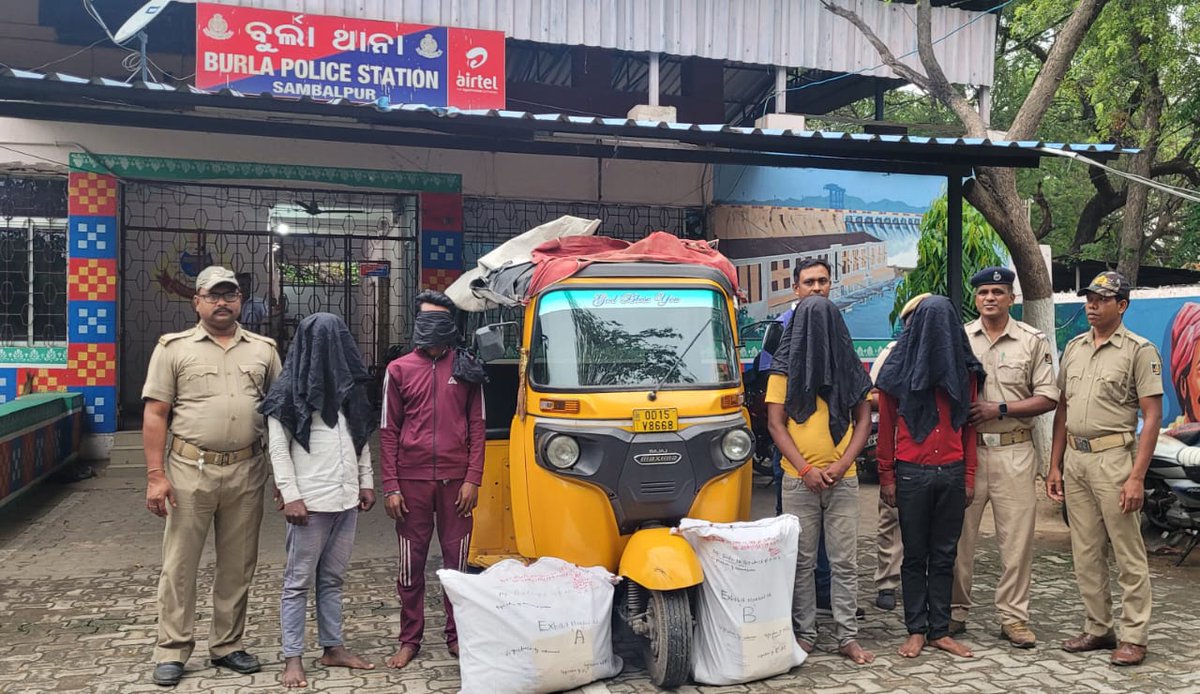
<point x="545" y="627"/>
<point x="744" y="619"/>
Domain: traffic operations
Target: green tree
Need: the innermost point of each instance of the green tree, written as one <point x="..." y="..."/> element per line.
<point x="981" y="248"/>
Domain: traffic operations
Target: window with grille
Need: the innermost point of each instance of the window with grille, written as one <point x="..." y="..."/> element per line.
<point x="33" y="281"/>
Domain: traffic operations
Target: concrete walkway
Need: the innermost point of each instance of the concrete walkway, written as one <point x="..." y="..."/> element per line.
<point x="79" y="565"/>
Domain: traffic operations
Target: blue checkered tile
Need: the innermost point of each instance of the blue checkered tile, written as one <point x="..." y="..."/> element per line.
<point x="441" y="250"/>
<point x="8" y="385"/>
<point x="99" y="408"/>
<point x="92" y="321"/>
<point x="92" y="237"/>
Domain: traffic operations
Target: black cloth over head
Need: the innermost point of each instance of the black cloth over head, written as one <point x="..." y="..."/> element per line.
<point x="817" y="354"/>
<point x="324" y="372"/>
<point x="435" y="329"/>
<point x="932" y="352"/>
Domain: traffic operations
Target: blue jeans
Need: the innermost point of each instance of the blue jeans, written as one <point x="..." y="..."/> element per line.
<point x="318" y="552"/>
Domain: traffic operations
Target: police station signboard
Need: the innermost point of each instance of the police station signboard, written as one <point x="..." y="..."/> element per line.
<point x="288" y="54"/>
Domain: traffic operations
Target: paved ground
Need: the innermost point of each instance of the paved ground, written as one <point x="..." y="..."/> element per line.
<point x="78" y="567"/>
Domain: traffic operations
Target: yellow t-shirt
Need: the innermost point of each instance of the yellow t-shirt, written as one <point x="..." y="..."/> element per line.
<point x="812" y="437"/>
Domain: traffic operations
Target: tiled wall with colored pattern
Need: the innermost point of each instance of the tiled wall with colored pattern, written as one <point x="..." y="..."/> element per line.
<point x="91" y="354"/>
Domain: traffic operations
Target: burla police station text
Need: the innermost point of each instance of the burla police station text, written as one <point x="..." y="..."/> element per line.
<point x="335" y="79"/>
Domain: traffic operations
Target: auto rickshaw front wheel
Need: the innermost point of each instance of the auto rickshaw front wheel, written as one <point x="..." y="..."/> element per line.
<point x="669" y="628"/>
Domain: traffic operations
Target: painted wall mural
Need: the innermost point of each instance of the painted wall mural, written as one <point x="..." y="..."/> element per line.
<point x="866" y="225"/>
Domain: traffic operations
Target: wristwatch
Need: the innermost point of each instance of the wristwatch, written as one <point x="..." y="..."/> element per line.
<point x="1003" y="409"/>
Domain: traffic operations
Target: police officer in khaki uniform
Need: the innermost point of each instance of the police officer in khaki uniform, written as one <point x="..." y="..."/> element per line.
<point x="1107" y="374"/>
<point x="209" y="381"/>
<point x="1019" y="386"/>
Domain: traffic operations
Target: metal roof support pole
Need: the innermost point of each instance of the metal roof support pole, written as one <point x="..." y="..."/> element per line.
<point x="781" y="90"/>
<point x="654" y="88"/>
<point x="954" y="238"/>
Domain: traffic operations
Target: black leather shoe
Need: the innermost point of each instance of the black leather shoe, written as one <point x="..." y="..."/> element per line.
<point x="886" y="600"/>
<point x="240" y="662"/>
<point x="168" y="674"/>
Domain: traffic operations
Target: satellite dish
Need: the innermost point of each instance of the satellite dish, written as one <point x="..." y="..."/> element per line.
<point x="141" y="18"/>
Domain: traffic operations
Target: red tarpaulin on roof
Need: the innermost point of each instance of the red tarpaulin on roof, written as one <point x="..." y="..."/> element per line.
<point x="559" y="259"/>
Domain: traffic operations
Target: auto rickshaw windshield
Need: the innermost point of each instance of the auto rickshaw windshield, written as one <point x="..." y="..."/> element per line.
<point x="632" y="338"/>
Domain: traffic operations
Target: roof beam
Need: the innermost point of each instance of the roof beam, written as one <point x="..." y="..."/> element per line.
<point x="408" y="138"/>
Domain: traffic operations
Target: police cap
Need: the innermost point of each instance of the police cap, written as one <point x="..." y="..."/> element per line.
<point x="993" y="275"/>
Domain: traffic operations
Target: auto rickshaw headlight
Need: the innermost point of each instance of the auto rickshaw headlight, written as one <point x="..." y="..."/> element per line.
<point x="737" y="444"/>
<point x="562" y="451"/>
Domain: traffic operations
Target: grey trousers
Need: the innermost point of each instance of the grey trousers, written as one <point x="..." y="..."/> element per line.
<point x="318" y="552"/>
<point x="835" y="509"/>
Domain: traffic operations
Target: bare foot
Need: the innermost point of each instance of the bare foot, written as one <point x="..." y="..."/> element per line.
<point x="453" y="648"/>
<point x="339" y="656"/>
<point x="912" y="647"/>
<point x="857" y="653"/>
<point x="402" y="657"/>
<point x="952" y="647"/>
<point x="293" y="673"/>
<point x="805" y="645"/>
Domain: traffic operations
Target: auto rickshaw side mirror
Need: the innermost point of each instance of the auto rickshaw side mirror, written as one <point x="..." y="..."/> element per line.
<point x="772" y="336"/>
<point x="489" y="343"/>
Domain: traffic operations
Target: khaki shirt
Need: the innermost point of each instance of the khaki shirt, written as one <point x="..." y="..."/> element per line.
<point x="1102" y="386"/>
<point x="214" y="392"/>
<point x="1018" y="366"/>
<point x="877" y="366"/>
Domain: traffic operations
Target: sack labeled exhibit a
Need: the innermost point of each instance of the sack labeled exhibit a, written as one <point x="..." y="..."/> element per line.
<point x="545" y="627"/>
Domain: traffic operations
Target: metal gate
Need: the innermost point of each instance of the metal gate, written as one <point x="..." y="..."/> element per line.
<point x="297" y="251"/>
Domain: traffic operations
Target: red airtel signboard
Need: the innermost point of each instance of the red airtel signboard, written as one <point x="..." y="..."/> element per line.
<point x="288" y="54"/>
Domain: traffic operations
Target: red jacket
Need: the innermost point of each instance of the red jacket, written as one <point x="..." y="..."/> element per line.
<point x="432" y="427"/>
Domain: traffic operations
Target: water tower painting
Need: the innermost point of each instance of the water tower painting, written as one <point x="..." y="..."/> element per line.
<point x="865" y="225"/>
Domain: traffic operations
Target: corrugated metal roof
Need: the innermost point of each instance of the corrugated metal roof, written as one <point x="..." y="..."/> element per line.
<point x="565" y="123"/>
<point x="790" y="33"/>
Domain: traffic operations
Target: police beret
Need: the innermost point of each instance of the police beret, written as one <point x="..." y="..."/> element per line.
<point x="993" y="275"/>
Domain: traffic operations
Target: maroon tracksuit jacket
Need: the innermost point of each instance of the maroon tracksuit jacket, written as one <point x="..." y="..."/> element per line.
<point x="431" y="441"/>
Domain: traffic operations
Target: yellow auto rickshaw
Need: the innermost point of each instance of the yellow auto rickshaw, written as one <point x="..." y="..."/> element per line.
<point x="617" y="412"/>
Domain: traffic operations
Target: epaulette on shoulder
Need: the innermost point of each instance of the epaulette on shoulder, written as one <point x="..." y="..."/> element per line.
<point x="1030" y="329"/>
<point x="260" y="338"/>
<point x="171" y="337"/>
<point x="1137" y="339"/>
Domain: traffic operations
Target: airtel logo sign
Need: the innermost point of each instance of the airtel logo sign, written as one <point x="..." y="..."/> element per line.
<point x="476" y="57"/>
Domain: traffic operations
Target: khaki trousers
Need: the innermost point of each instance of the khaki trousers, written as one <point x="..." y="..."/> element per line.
<point x="890" y="554"/>
<point x="1093" y="484"/>
<point x="229" y="498"/>
<point x="1006" y="479"/>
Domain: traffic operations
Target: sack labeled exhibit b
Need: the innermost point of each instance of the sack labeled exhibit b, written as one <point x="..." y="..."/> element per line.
<point x="545" y="627"/>
<point x="744" y="617"/>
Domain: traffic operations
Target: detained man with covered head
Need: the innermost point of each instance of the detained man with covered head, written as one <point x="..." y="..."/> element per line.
<point x="820" y="418"/>
<point x="927" y="460"/>
<point x="319" y="419"/>
<point x="431" y="444"/>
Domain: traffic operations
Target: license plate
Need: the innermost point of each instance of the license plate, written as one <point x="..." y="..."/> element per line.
<point x="655" y="420"/>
